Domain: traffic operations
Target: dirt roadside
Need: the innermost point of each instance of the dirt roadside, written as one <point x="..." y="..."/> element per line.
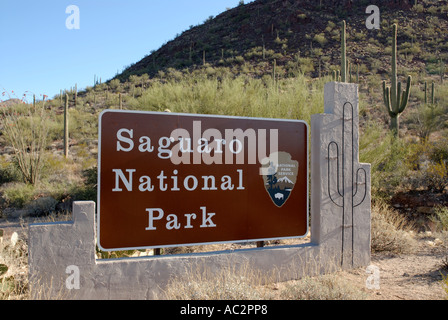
<point x="404" y="277"/>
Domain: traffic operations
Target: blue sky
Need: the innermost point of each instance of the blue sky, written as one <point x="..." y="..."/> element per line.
<point x="40" y="55"/>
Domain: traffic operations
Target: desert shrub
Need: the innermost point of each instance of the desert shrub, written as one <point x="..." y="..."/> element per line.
<point x="390" y="231"/>
<point x="115" y="85"/>
<point x="8" y="171"/>
<point x="438" y="151"/>
<point x="428" y="161"/>
<point x="42" y="206"/>
<point x="435" y="176"/>
<point x="387" y="156"/>
<point x="235" y="96"/>
<point x="88" y="191"/>
<point x="417" y="154"/>
<point x="320" y="38"/>
<point x="256" y="52"/>
<point x="441" y="218"/>
<point x="419" y="8"/>
<point x="17" y="194"/>
<point x="53" y="164"/>
<point x="306" y="65"/>
<point x="239" y="59"/>
<point x="426" y="119"/>
<point x="82" y="124"/>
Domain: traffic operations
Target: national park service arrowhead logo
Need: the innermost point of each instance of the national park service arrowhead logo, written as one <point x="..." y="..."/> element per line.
<point x="279" y="174"/>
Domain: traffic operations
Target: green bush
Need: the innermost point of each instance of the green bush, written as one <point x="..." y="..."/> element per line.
<point x="427" y="119"/>
<point x="306" y="65"/>
<point x="441" y="218"/>
<point x="18" y="194"/>
<point x="388" y="157"/>
<point x="88" y="191"/>
<point x="8" y="171"/>
<point x="435" y="176"/>
<point x="428" y="164"/>
<point x="320" y="38"/>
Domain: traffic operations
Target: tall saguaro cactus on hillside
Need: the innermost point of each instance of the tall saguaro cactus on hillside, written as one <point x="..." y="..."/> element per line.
<point x="343" y="52"/>
<point x="66" y="137"/>
<point x="395" y="99"/>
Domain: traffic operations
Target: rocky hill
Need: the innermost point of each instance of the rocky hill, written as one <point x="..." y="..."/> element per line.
<point x="306" y="35"/>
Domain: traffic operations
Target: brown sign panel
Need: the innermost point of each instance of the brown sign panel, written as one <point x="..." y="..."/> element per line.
<point x="173" y="179"/>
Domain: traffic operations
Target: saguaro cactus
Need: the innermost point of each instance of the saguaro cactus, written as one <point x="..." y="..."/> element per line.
<point x="433" y="89"/>
<point x="442" y="70"/>
<point x="66" y="138"/>
<point x="343" y="52"/>
<point x="76" y="94"/>
<point x="395" y="100"/>
<point x="426" y="92"/>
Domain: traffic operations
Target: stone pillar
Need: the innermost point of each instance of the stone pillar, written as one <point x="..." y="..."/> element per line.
<point x="340" y="185"/>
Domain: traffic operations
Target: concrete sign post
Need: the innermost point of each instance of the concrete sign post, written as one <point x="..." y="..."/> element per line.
<point x="340" y="185"/>
<point x="62" y="255"/>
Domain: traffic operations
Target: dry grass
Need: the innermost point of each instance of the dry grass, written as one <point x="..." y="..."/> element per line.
<point x="14" y="282"/>
<point x="328" y="287"/>
<point x="445" y="285"/>
<point x="231" y="283"/>
<point x="390" y="231"/>
<point x="245" y="283"/>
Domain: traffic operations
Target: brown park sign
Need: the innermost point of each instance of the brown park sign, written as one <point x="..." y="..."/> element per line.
<point x="169" y="180"/>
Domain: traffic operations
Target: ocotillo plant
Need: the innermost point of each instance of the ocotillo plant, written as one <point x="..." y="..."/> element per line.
<point x="343" y="53"/>
<point x="395" y="100"/>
